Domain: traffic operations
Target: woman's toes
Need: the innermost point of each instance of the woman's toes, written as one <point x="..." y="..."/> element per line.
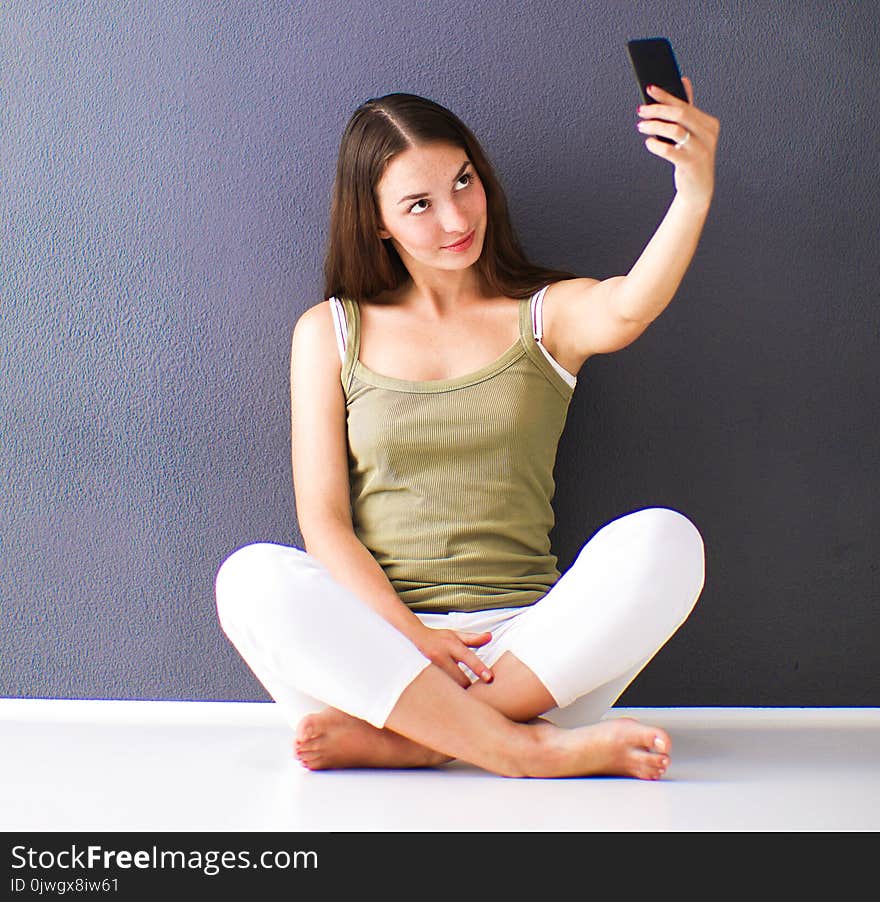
<point x="643" y="763"/>
<point x="658" y="770"/>
<point x="648" y="765"/>
<point x="661" y="742"/>
<point x="304" y="748"/>
<point x="311" y="760"/>
<point x="309" y="728"/>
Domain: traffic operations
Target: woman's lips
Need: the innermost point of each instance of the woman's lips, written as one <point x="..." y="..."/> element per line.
<point x="463" y="245"/>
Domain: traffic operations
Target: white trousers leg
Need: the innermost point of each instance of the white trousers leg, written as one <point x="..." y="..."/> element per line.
<point x="632" y="585"/>
<point x="308" y="639"/>
<point x="311" y="642"/>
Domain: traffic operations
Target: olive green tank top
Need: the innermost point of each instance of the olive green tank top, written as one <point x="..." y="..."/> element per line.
<point x="452" y="479"/>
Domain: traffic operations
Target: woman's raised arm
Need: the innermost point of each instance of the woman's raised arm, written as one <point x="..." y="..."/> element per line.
<point x="654" y="278"/>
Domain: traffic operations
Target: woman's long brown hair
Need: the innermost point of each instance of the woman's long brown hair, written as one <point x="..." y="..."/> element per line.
<point x="361" y="265"/>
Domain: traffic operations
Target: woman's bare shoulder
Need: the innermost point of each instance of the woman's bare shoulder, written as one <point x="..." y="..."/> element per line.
<point x="315" y="325"/>
<point x="317" y="312"/>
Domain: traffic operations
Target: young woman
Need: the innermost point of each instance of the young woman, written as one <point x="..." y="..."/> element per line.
<point x="426" y="619"/>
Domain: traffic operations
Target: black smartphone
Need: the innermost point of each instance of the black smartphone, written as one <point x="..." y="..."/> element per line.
<point x="654" y="63"/>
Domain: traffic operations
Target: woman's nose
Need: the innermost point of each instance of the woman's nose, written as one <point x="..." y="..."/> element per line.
<point x="453" y="221"/>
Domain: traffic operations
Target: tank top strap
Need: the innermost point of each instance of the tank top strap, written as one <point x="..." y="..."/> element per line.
<point x="537" y="311"/>
<point x="532" y="330"/>
<point x="340" y="326"/>
<point x="530" y="317"/>
<point x="350" y="326"/>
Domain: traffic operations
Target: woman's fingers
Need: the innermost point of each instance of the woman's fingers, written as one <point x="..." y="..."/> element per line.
<point x="666" y="129"/>
<point x="474" y="638"/>
<point x="670" y="108"/>
<point x="664" y="97"/>
<point x="688" y="88"/>
<point x="658" y="113"/>
<point x="448" y="649"/>
<point x="478" y="667"/>
<point x="458" y="675"/>
<point x="472" y="660"/>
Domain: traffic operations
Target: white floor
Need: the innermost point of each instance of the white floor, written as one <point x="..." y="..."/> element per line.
<point x="224" y="766"/>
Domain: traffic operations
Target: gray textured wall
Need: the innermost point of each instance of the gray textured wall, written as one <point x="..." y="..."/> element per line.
<point x="166" y="169"/>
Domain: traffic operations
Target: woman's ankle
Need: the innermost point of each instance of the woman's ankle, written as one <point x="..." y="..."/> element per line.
<point x="529" y="749"/>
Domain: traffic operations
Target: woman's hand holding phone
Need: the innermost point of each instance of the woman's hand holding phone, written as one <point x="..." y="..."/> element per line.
<point x="695" y="134"/>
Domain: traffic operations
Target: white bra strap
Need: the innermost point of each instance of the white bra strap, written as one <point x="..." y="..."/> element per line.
<point x="339" y="325"/>
<point x="538" y="312"/>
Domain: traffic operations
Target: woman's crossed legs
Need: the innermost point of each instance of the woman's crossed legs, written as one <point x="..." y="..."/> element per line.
<point x="570" y="655"/>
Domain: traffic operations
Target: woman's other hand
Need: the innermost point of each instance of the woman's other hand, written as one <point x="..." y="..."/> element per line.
<point x="446" y="648"/>
<point x="694" y="160"/>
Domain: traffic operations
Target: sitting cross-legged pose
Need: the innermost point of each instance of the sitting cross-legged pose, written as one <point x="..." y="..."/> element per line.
<point x="426" y="620"/>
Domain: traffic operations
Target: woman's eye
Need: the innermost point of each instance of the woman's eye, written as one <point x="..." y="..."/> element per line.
<point x="466" y="175"/>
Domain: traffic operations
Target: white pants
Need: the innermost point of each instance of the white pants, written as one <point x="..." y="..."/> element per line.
<point x="313" y="643"/>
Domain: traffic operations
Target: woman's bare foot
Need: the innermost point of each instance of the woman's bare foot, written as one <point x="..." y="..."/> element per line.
<point x="333" y="739"/>
<point x="620" y="747"/>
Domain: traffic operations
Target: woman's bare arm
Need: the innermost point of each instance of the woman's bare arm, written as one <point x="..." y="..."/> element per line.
<point x="654" y="278"/>
<point x="319" y="445"/>
<point x="319" y="454"/>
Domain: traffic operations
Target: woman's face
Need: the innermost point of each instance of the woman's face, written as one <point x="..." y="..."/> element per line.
<point x="448" y="205"/>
